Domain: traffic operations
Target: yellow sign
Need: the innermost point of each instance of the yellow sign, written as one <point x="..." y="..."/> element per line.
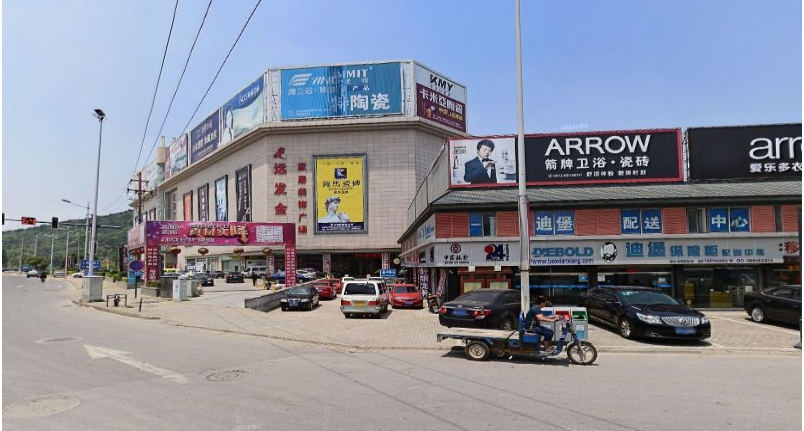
<point x="340" y="194"/>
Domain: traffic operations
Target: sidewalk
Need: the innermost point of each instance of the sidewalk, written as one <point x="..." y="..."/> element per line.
<point x="410" y="329"/>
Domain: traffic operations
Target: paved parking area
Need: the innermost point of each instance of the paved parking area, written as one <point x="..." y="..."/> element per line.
<point x="222" y="310"/>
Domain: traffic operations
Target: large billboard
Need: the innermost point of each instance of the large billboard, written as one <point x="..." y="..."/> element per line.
<point x="341" y="91"/>
<point x="484" y="162"/>
<point x="204" y="138"/>
<point x="340" y="194"/>
<point x="243" y="112"/>
<point x="630" y="156"/>
<point x="221" y="199"/>
<point x="243" y="193"/>
<point x="721" y="153"/>
<point x="439" y="99"/>
<point x="176" y="159"/>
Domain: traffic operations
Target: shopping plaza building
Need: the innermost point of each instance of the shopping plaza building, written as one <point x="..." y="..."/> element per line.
<point x="704" y="215"/>
<point x="338" y="150"/>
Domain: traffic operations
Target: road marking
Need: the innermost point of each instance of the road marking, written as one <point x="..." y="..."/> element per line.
<point x="120" y="356"/>
<point x="716" y="344"/>
<point x="757" y="325"/>
<point x="20" y="286"/>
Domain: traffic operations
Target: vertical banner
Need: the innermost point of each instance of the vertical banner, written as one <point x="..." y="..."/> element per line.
<point x="290" y="265"/>
<point x="386" y="260"/>
<point x="340" y="194"/>
<point x="152" y="263"/>
<point x="177" y="156"/>
<point x="243" y="193"/>
<point x="327" y="263"/>
<point x="439" y="99"/>
<point x="271" y="264"/>
<point x="442" y="281"/>
<point x="486" y="162"/>
<point x="188" y="205"/>
<point x="243" y="112"/>
<point x="342" y="91"/>
<point x="203" y="203"/>
<point x="221" y="199"/>
<point x="424" y="281"/>
<point x="204" y="138"/>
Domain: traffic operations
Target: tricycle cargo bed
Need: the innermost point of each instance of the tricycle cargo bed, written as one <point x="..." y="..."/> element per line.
<point x="472" y="333"/>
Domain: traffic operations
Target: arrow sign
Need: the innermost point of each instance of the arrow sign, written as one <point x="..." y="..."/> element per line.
<point x="120" y="356"/>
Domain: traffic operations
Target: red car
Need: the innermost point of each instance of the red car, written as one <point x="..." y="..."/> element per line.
<point x="405" y="296"/>
<point x="325" y="289"/>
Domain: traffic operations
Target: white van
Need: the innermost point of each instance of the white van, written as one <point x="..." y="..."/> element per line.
<point x="259" y="270"/>
<point x="364" y="297"/>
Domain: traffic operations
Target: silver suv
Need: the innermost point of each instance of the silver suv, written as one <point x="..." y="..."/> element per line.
<point x="364" y="297"/>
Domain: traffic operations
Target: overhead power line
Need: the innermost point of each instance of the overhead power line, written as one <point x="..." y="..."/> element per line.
<point x="181" y="77"/>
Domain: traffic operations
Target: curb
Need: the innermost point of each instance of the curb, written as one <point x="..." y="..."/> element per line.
<point x="114" y="311"/>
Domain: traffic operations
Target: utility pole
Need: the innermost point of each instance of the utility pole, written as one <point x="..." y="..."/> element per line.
<point x="22" y="250"/>
<point x="86" y="233"/>
<point x="139" y="192"/>
<point x="52" y="243"/>
<point x="66" y="251"/>
<point x="524" y="229"/>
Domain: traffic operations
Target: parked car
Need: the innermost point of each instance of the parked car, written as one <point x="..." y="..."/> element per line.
<point x="205" y="279"/>
<point x="218" y="274"/>
<point x="364" y="297"/>
<point x="644" y="312"/>
<point x="339" y="286"/>
<point x="235" y="277"/>
<point x="780" y="304"/>
<point x="405" y="295"/>
<point x="259" y="270"/>
<point x="77" y="275"/>
<point x="58" y="274"/>
<point x="32" y="273"/>
<point x="482" y="308"/>
<point x="300" y="297"/>
<point x="325" y="289"/>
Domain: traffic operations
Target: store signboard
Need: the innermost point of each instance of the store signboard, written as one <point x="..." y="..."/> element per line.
<point x="341" y="91"/>
<point x="193" y="233"/>
<point x="764" y="151"/>
<point x="426" y="231"/>
<point x="604" y="157"/>
<point x="439" y="99"/>
<point x="474" y="254"/>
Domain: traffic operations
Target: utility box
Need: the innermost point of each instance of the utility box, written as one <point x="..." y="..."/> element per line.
<point x="92" y="288"/>
<point x="180" y="290"/>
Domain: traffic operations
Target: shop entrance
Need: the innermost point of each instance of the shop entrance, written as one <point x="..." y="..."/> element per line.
<point x="657" y="278"/>
<point x="559" y="287"/>
<point x="720" y="287"/>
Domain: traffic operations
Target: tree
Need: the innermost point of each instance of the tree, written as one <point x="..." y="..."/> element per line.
<point x="38" y="263"/>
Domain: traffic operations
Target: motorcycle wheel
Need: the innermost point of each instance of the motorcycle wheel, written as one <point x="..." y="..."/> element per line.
<point x="582" y="353"/>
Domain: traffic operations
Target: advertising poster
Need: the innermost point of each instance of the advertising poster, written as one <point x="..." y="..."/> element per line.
<point x="187" y="199"/>
<point x="604" y="157"/>
<point x="204" y="138"/>
<point x="340" y="194"/>
<point x="485" y="162"/>
<point x="243" y="193"/>
<point x="242" y="112"/>
<point x="203" y="203"/>
<point x="151" y="175"/>
<point x="341" y="91"/>
<point x="221" y="199"/>
<point x="439" y="99"/>
<point x="177" y="156"/>
<point x="720" y="153"/>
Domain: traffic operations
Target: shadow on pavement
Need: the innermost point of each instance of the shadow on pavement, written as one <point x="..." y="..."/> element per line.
<point x="559" y="361"/>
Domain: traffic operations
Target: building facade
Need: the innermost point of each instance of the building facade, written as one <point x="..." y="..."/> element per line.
<point x="641" y="207"/>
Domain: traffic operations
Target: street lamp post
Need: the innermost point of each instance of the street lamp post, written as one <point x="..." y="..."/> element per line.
<point x="86" y="225"/>
<point x="524" y="231"/>
<point x="52" y="243"/>
<point x="22" y="250"/>
<point x="100" y="115"/>
<point x="66" y="250"/>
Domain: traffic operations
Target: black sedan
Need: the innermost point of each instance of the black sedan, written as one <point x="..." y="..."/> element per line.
<point x="205" y="279"/>
<point x="644" y="312"/>
<point x="482" y="308"/>
<point x="218" y="274"/>
<point x="235" y="277"/>
<point x="299" y="297"/>
<point x="780" y="304"/>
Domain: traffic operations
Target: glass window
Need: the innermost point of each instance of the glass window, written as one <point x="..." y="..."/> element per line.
<point x="720" y="287"/>
<point x="489" y="224"/>
<point x="782" y="292"/>
<point x="359" y="289"/>
<point x="610" y="296"/>
<point x="697" y="221"/>
<point x="404" y="289"/>
<point x="482" y="295"/>
<point x="482" y="224"/>
<point x="645" y="297"/>
<point x="797" y="294"/>
<point x="777" y="216"/>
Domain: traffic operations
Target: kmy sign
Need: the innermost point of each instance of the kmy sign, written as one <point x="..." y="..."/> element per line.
<point x="769" y="151"/>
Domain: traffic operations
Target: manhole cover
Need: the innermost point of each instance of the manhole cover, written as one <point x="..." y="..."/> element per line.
<point x="58" y="340"/>
<point x="227" y="376"/>
<point x="39" y="407"/>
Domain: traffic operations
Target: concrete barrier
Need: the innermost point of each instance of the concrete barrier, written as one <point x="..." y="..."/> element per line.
<point x="269" y="301"/>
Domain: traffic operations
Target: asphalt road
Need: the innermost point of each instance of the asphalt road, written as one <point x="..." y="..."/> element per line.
<point x="175" y="378"/>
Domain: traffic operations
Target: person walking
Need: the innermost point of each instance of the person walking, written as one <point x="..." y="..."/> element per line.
<point x="254" y="278"/>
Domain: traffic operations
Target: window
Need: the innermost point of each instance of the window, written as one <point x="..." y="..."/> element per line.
<point x="482" y="224"/>
<point x="782" y="292"/>
<point x="777" y="215"/>
<point x="610" y="296"/>
<point x="696" y="220"/>
<point x="797" y="294"/>
<point x="511" y="298"/>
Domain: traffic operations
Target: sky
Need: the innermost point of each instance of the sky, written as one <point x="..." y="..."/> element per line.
<point x="587" y="66"/>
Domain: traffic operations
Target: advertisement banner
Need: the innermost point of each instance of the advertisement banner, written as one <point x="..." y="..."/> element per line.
<point x="243" y="112"/>
<point x="768" y="151"/>
<point x="604" y="157"/>
<point x="151" y="175"/>
<point x="484" y="162"/>
<point x="327" y="263"/>
<point x="218" y="233"/>
<point x="290" y="265"/>
<point x="203" y="203"/>
<point x="221" y="199"/>
<point x="177" y="156"/>
<point x="340" y="194"/>
<point x="187" y="199"/>
<point x="151" y="263"/>
<point x="341" y="91"/>
<point x="204" y="138"/>
<point x="439" y="99"/>
<point x="243" y="193"/>
<point x="136" y="237"/>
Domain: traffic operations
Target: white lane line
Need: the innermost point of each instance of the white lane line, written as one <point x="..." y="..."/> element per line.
<point x="757" y="325"/>
<point x="20" y="286"/>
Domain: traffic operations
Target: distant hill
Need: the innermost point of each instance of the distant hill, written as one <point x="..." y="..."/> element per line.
<point x="108" y="240"/>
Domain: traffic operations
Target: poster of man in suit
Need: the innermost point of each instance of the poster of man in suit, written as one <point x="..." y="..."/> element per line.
<point x="484" y="161"/>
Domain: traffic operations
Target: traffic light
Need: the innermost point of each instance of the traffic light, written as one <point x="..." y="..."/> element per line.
<point x="54" y="222"/>
<point x="28" y="220"/>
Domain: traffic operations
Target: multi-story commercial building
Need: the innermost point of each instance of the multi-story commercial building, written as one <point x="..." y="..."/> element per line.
<point x="705" y="218"/>
<point x="337" y="149"/>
